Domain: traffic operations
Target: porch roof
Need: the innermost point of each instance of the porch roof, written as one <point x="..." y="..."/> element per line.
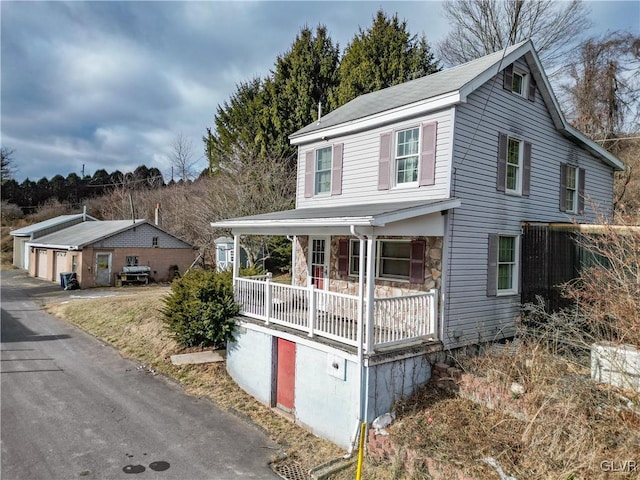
<point x="334" y="220"/>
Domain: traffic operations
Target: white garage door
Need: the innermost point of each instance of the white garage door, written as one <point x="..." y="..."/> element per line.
<point x="60" y="265"/>
<point x="41" y="264"/>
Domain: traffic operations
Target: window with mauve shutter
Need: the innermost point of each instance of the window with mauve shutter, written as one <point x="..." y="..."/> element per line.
<point x="308" y="174"/>
<point x="384" y="161"/>
<point x="343" y="256"/>
<point x="336" y="169"/>
<point x="428" y="154"/>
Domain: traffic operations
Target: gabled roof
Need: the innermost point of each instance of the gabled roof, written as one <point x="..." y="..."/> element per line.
<point x="441" y="90"/>
<point x="86" y="233"/>
<point x="52" y="222"/>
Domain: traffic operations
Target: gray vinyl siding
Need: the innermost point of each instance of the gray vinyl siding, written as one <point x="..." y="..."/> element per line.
<point x="360" y="166"/>
<point x="142" y="237"/>
<point x="485" y="210"/>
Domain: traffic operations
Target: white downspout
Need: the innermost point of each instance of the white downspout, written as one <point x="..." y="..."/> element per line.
<point x="360" y="338"/>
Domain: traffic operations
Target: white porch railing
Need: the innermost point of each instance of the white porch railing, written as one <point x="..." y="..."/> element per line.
<point x="334" y="315"/>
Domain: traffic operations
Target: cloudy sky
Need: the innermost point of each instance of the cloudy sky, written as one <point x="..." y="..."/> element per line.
<point x="111" y="84"/>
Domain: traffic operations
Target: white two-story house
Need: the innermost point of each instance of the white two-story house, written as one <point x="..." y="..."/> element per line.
<point x="407" y="236"/>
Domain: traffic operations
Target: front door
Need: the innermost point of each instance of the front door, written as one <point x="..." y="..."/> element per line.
<point x="319" y="267"/>
<point x="103" y="269"/>
<point x="286" y="375"/>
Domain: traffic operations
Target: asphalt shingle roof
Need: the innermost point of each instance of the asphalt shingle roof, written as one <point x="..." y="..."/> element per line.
<point x="52" y="222"/>
<point x="430" y="86"/>
<point x="87" y="232"/>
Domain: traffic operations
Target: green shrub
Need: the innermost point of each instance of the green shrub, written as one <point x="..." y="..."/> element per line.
<point x="200" y="310"/>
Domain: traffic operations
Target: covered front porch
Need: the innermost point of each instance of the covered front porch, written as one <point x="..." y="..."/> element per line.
<point x="364" y="277"/>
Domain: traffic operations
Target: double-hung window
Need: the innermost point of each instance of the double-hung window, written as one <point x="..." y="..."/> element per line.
<point x="131" y="260"/>
<point x="514" y="166"/>
<point x="571" y="191"/>
<point x="402" y="260"/>
<point x="323" y="171"/>
<point x="507" y="265"/>
<point x="503" y="271"/>
<point x="572" y="183"/>
<point x="407" y="156"/>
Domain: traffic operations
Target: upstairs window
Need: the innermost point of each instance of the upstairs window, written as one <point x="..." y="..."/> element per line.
<point x="519" y="82"/>
<point x="572" y="181"/>
<point x="406" y="158"/>
<point x="154" y="242"/>
<point x="322" y="172"/>
<point x="514" y="165"/>
<point x="571" y="192"/>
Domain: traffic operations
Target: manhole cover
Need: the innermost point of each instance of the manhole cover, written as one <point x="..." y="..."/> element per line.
<point x="291" y="471"/>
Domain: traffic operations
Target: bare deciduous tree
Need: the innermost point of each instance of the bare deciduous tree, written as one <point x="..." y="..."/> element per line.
<point x="604" y="90"/>
<point x="480" y="27"/>
<point x="260" y="186"/>
<point x="7" y="164"/>
<point x="181" y="157"/>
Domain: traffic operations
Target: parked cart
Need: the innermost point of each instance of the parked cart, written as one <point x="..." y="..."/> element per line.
<point x="133" y="274"/>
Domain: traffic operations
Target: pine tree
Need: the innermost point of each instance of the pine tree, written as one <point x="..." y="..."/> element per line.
<point x="384" y="55"/>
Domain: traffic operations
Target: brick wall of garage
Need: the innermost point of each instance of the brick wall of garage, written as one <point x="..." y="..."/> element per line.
<point x="159" y="259"/>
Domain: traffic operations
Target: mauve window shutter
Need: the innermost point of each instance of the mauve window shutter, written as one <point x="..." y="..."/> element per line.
<point x="308" y="174"/>
<point x="532" y="89"/>
<point x="492" y="265"/>
<point x="336" y="169"/>
<point x="563" y="187"/>
<point x="581" y="183"/>
<point x="428" y="154"/>
<point x="508" y="78"/>
<point x="343" y="256"/>
<point x="384" y="161"/>
<point x="416" y="261"/>
<point x="502" y="162"/>
<point x="526" y="169"/>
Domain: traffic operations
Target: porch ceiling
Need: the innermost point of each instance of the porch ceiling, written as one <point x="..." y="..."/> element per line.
<point x="367" y="218"/>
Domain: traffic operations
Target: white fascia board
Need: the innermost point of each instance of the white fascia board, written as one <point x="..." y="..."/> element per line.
<point x="385" y="218"/>
<point x="596" y="149"/>
<point x="380" y="119"/>
<point x="53" y="247"/>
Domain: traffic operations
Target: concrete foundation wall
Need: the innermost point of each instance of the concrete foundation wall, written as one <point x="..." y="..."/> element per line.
<point x="326" y="398"/>
<point x="249" y="362"/>
<point x="393" y="380"/>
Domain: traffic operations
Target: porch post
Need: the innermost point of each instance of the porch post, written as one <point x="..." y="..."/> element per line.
<point x="236" y="257"/>
<point x="371" y="289"/>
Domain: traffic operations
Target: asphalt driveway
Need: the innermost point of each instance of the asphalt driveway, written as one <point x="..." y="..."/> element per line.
<point x="72" y="407"/>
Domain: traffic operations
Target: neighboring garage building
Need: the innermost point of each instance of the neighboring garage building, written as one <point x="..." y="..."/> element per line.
<point x="23" y="236"/>
<point x="97" y="251"/>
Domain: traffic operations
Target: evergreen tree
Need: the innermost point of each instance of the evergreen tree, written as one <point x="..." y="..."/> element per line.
<point x="304" y="76"/>
<point x="384" y="55"/>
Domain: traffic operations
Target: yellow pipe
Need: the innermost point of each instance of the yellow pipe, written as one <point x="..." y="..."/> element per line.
<point x="363" y="429"/>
